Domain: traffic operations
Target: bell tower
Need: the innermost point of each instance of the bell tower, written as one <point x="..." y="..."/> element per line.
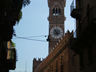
<point x="56" y="22"/>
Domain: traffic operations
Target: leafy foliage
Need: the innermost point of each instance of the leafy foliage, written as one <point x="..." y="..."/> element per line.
<point x="10" y="14"/>
<point x="13" y="44"/>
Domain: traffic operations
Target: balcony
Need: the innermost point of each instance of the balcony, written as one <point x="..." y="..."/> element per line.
<point x="75" y="12"/>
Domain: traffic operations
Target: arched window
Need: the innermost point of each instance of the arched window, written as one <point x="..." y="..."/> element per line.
<point x="53" y="10"/>
<point x="56" y="11"/>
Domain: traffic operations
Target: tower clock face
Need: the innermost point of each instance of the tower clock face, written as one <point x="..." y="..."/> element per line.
<point x="56" y="32"/>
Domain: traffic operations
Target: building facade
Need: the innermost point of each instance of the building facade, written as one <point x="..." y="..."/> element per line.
<point x="56" y="21"/>
<point x="7" y="57"/>
<point x="84" y="11"/>
<point x="61" y="57"/>
<point x="11" y="56"/>
<point x="71" y="54"/>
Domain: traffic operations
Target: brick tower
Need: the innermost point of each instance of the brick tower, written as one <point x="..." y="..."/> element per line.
<point x="56" y="22"/>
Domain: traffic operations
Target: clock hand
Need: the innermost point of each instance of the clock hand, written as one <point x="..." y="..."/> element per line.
<point x="56" y="32"/>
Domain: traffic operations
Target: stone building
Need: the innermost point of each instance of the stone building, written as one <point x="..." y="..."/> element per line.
<point x="11" y="55"/>
<point x="84" y="11"/>
<point x="61" y="57"/>
<point x="66" y="53"/>
<point x="56" y="22"/>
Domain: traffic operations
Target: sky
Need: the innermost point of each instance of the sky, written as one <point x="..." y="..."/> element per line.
<point x="35" y="26"/>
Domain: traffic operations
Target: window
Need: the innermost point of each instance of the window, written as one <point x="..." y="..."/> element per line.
<point x="62" y="64"/>
<point x="56" y="66"/>
<point x="56" y="11"/>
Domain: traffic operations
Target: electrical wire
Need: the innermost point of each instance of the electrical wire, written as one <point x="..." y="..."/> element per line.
<point x="30" y="39"/>
<point x="37" y="36"/>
